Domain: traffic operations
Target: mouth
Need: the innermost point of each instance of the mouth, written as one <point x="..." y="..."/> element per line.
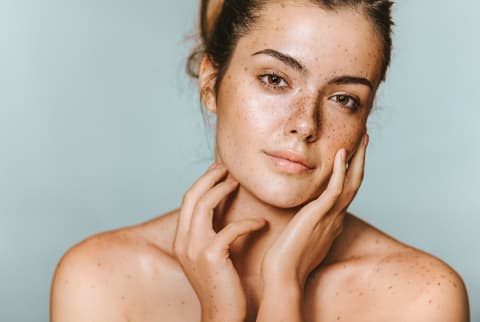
<point x="289" y="161"/>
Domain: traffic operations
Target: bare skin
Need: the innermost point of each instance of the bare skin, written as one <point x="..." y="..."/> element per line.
<point x="264" y="234"/>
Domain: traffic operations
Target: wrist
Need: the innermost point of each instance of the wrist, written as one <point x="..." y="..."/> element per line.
<point x="214" y="315"/>
<point x="290" y="290"/>
<point x="281" y="302"/>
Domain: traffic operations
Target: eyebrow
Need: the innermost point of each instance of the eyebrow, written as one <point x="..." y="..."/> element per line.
<point x="295" y="64"/>
<point x="351" y="80"/>
<point x="284" y="58"/>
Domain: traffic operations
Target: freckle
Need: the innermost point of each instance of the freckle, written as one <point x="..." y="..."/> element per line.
<point x="430" y="301"/>
<point x="377" y="241"/>
<point x="338" y="318"/>
<point x="183" y="302"/>
<point x="99" y="264"/>
<point x="390" y="287"/>
<point x="122" y="297"/>
<point x="438" y="283"/>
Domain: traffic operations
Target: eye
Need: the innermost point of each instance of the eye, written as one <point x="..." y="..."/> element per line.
<point x="346" y="101"/>
<point x="274" y="81"/>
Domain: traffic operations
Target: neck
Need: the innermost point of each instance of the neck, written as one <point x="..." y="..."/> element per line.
<point x="248" y="251"/>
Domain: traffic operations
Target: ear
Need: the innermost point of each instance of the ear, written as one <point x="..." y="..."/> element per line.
<point x="206" y="82"/>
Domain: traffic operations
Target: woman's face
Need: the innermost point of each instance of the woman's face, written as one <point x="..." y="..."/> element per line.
<point x="299" y="87"/>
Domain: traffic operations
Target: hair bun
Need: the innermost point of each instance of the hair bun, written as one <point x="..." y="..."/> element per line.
<point x="211" y="9"/>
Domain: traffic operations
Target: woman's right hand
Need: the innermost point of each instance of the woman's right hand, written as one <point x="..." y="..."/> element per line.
<point x="204" y="253"/>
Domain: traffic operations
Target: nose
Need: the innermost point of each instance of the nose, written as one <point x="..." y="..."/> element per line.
<point x="303" y="122"/>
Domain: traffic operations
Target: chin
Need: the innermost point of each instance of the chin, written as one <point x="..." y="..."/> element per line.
<point x="283" y="196"/>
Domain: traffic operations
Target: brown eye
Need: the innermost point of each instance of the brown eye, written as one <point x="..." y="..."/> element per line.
<point x="342" y="99"/>
<point x="346" y="101"/>
<point x="273" y="81"/>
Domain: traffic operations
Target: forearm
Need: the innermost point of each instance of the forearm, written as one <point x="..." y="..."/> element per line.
<point x="281" y="303"/>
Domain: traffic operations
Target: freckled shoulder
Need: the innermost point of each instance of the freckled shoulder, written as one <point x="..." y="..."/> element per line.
<point x="417" y="286"/>
<point x="370" y="276"/>
<point x="115" y="275"/>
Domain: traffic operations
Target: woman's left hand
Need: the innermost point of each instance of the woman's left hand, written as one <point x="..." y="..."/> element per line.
<point x="306" y="240"/>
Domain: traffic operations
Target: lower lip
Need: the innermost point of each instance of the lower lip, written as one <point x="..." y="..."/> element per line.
<point x="288" y="166"/>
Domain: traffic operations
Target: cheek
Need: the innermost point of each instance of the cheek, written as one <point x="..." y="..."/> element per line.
<point x="242" y="121"/>
<point x="339" y="132"/>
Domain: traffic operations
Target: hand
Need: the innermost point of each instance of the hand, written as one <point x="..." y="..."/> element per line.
<point x="204" y="254"/>
<point x="309" y="235"/>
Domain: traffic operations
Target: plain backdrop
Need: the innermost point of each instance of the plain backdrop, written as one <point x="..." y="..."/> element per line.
<point x="100" y="128"/>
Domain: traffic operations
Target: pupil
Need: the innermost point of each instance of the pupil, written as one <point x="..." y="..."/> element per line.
<point x="274" y="79"/>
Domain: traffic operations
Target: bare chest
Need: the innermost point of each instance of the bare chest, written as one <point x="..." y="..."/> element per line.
<point x="331" y="295"/>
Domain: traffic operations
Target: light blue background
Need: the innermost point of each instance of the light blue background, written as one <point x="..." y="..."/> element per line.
<point x="100" y="128"/>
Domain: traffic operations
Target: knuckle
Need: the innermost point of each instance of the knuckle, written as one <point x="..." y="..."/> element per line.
<point x="190" y="255"/>
<point x="335" y="192"/>
<point x="349" y="193"/>
<point x="202" y="206"/>
<point x="357" y="180"/>
<point x="337" y="225"/>
<point x="210" y="254"/>
<point x="186" y="197"/>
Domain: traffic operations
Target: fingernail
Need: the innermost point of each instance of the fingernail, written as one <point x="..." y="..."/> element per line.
<point x="216" y="165"/>
<point x="365" y="139"/>
<point x="342" y="154"/>
<point x="213" y="166"/>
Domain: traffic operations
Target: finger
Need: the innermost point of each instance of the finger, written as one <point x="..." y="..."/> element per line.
<point x="356" y="169"/>
<point x="312" y="212"/>
<point x="234" y="230"/>
<point x="199" y="188"/>
<point x="202" y="219"/>
<point x="354" y="176"/>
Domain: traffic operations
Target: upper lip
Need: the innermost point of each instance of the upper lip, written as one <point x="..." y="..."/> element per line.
<point x="292" y="156"/>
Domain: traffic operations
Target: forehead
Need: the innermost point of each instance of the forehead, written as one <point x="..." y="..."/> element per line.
<point x="327" y="42"/>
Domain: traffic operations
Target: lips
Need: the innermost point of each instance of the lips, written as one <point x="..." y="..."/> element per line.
<point x="290" y="161"/>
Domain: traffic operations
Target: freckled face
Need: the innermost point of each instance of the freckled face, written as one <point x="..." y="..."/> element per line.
<point x="299" y="87"/>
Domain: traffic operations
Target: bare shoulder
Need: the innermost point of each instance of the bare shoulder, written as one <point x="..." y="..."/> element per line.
<point x="387" y="280"/>
<point x="117" y="274"/>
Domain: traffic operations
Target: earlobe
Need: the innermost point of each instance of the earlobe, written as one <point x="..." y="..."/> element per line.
<point x="206" y="82"/>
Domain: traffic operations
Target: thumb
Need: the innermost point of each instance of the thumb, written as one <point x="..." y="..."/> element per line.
<point x="235" y="229"/>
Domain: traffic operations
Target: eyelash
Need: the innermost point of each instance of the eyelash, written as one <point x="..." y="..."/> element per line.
<point x="266" y="79"/>
<point x="355" y="103"/>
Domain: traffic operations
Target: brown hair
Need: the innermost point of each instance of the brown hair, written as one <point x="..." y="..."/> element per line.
<point x="223" y="22"/>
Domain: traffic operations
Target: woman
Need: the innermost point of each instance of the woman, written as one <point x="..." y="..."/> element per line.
<point x="264" y="234"/>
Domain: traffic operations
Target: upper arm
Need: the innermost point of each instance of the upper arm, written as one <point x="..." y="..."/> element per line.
<point x="444" y="300"/>
<point x="82" y="290"/>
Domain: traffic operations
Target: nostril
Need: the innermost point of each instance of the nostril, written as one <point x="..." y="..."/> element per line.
<point x="310" y="138"/>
